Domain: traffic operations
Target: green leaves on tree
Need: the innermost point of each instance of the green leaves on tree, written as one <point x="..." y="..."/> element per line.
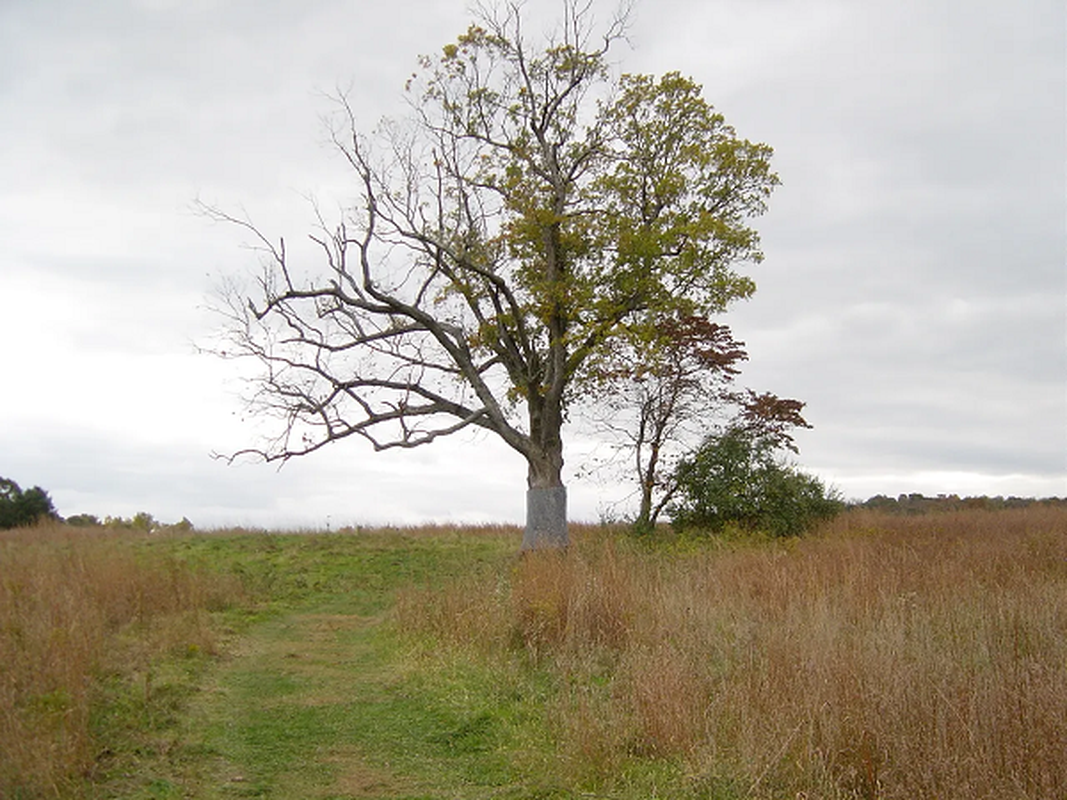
<point x="19" y="508"/>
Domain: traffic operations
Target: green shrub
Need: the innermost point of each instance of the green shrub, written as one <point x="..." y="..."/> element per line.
<point x="737" y="478"/>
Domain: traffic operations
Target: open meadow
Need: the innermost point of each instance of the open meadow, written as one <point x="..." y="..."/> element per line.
<point x="883" y="656"/>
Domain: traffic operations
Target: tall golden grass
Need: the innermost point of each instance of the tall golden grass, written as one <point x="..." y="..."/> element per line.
<point x="75" y="607"/>
<point x="884" y="657"/>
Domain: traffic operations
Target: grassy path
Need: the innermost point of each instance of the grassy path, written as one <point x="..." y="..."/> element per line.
<point x="316" y="706"/>
<point x="321" y="700"/>
<point x="288" y="713"/>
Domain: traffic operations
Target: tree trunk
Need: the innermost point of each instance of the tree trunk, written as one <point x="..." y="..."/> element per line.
<point x="546" y="502"/>
<point x="644" y="524"/>
<point x="646" y="517"/>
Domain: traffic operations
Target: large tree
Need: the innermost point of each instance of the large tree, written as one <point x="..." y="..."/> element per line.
<point x="533" y="212"/>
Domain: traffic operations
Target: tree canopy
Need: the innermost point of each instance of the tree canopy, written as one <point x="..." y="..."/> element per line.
<point x="535" y="216"/>
<point x="19" y="507"/>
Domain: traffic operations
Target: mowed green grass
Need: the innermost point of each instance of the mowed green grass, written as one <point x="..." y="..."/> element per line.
<point x="316" y="695"/>
<point x="883" y="657"/>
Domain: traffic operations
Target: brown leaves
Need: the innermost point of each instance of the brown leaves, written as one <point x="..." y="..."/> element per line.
<point x="710" y="345"/>
<point x="770" y="417"/>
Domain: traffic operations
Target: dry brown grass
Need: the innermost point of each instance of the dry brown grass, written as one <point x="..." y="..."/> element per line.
<point x="76" y="606"/>
<point x="885" y="657"/>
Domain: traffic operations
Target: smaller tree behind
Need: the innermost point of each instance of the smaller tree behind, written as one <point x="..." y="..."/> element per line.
<point x="655" y="395"/>
<point x="739" y="477"/>
<point x="19" y="508"/>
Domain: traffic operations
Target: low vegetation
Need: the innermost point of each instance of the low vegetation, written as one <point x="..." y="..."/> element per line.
<point x="888" y="657"/>
<point x="884" y="656"/>
<point x="101" y="637"/>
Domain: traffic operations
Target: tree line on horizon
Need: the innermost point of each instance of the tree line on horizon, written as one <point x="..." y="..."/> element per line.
<point x="730" y="481"/>
<point x="915" y="503"/>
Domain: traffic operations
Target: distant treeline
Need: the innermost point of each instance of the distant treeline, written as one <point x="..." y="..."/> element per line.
<point x="920" y="504"/>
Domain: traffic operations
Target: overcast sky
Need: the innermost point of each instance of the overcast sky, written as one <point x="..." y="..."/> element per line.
<point x="913" y="292"/>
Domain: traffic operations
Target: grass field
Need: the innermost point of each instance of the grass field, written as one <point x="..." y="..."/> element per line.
<point x="883" y="657"/>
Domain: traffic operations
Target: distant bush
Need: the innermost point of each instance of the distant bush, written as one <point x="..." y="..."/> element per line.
<point x="83" y="520"/>
<point x="144" y="522"/>
<point x="19" y="508"/>
<point x="737" y="478"/>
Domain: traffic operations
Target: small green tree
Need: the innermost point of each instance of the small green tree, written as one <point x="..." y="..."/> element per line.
<point x="739" y="477"/>
<point x="143" y="521"/>
<point x="19" y="508"/>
